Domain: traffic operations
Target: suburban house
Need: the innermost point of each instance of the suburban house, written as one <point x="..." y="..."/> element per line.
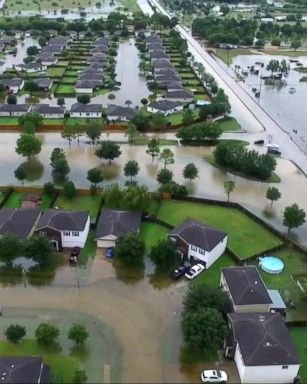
<point x="65" y="229"/>
<point x="90" y="74"/>
<point x="169" y="78"/>
<point x="245" y="289"/>
<point x="60" y="40"/>
<point x="52" y="49"/>
<point x="13" y="110"/>
<point x="47" y="59"/>
<point x="112" y="224"/>
<point x="262" y="348"/>
<point x="18" y="222"/>
<point x="72" y="34"/>
<point x="24" y="370"/>
<point x="199" y="242"/>
<point x="49" y="112"/>
<point x="165" y="72"/>
<point x="87" y="86"/>
<point x="99" y="49"/>
<point x="30" y="67"/>
<point x="86" y="110"/>
<point x="174" y="86"/>
<point x="162" y="63"/>
<point x="44" y="83"/>
<point x="183" y="96"/>
<point x="101" y="57"/>
<point x="100" y="41"/>
<point x="119" y="113"/>
<point x="153" y="38"/>
<point x="165" y="106"/>
<point x="155" y="55"/>
<point x="155" y="47"/>
<point x="12" y="85"/>
<point x="96" y="65"/>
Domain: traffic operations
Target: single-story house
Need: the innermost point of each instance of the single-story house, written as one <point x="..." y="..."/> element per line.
<point x="44" y="83"/>
<point x="167" y="78"/>
<point x="100" y="57"/>
<point x="100" y="41"/>
<point x="24" y="369"/>
<point x="262" y="348"/>
<point x="47" y="58"/>
<point x="13" y="110"/>
<point x="155" y="47"/>
<point x="165" y="72"/>
<point x="72" y="34"/>
<point x="18" y="222"/>
<point x="165" y="106"/>
<point x="30" y="67"/>
<point x="199" y="242"/>
<point x="174" y="86"/>
<point x="65" y="229"/>
<point x="162" y="63"/>
<point x="278" y="304"/>
<point x="55" y="49"/>
<point x="82" y="34"/>
<point x="153" y="38"/>
<point x="52" y="33"/>
<point x="245" y="289"/>
<point x="16" y="33"/>
<point x="86" y="110"/>
<point x="90" y="74"/>
<point x="49" y="112"/>
<point x="183" y="96"/>
<point x="87" y="86"/>
<point x="96" y="65"/>
<point x="13" y="85"/>
<point x="119" y="113"/>
<point x="60" y="40"/>
<point x="99" y="49"/>
<point x="155" y="55"/>
<point x="112" y="224"/>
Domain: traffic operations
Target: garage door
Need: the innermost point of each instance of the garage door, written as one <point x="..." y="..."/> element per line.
<point x="105" y="243"/>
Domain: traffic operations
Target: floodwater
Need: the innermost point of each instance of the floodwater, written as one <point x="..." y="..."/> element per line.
<point x="209" y="184"/>
<point x="289" y="110"/>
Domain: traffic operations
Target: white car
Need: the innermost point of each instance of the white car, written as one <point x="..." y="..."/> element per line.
<point x="272" y="146"/>
<point x="215" y="376"/>
<point x="194" y="271"/>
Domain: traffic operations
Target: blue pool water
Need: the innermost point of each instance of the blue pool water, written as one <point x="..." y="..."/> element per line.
<point x="271" y="264"/>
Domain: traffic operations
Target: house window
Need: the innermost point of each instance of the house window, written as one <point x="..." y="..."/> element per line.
<point x="201" y="251"/>
<point x="284" y="367"/>
<point x="43" y="233"/>
<point x="66" y="233"/>
<point x="75" y="233"/>
<point x="193" y="248"/>
<point x="87" y="114"/>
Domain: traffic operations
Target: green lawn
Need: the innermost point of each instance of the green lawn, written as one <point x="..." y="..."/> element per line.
<point x="131" y="5"/>
<point x="46" y="202"/>
<point x="8" y="121"/>
<point x="299" y="338"/>
<point x="246" y="237"/>
<point x="80" y="203"/>
<point x="69" y="80"/>
<point x="223" y="53"/>
<point x="176" y="118"/>
<point x="61" y="365"/>
<point x="229" y="124"/>
<point x="53" y="121"/>
<point x="65" y="89"/>
<point x="56" y="71"/>
<point x="89" y="250"/>
<point x="151" y="233"/>
<point x="13" y="201"/>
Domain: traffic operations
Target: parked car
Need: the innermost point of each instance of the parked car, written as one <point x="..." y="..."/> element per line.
<point x="194" y="271"/>
<point x="259" y="142"/>
<point x="74" y="254"/>
<point x="179" y="272"/>
<point x="109" y="253"/>
<point x="214" y="376"/>
<point x="274" y="151"/>
<point x="272" y="146"/>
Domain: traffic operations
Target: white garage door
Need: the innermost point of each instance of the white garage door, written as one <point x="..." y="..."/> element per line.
<point x="105" y="243"/>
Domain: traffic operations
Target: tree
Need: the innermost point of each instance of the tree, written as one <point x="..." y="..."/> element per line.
<point x="78" y="334"/>
<point x="83" y="99"/>
<point x="11" y="99"/>
<point x="93" y="132"/>
<point x="46" y="334"/>
<point x="167" y="156"/>
<point x="10" y="248"/>
<point x="38" y="248"/>
<point x="59" y="163"/>
<point x="131" y="131"/>
<point x="30" y="122"/>
<point x="20" y="174"/>
<point x="158" y="121"/>
<point x="130" y="249"/>
<point x="49" y="189"/>
<point x="229" y="186"/>
<point x="153" y="148"/>
<point x="95" y="177"/>
<point x="131" y="169"/>
<point x="296" y="43"/>
<point x="190" y="172"/>
<point x="164" y="176"/>
<point x="203" y="296"/>
<point x="15" y="333"/>
<point x="108" y="151"/>
<point x="69" y="133"/>
<point x="273" y="66"/>
<point x="32" y="50"/>
<point x="273" y="194"/>
<point x="144" y="102"/>
<point x="128" y="103"/>
<point x="69" y="190"/>
<point x="141" y="121"/>
<point x="42" y="41"/>
<point x="163" y="254"/>
<point x="293" y="217"/>
<point x="60" y="101"/>
<point x="80" y="130"/>
<point x="80" y="377"/>
<point x="28" y="145"/>
<point x="188" y="117"/>
<point x="204" y="328"/>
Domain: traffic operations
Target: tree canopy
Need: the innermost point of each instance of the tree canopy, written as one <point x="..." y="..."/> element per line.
<point x="293" y="217"/>
<point x="28" y="145"/>
<point x="108" y="151"/>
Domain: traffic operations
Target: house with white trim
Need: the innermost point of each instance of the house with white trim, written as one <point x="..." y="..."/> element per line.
<point x="86" y="110"/>
<point x="48" y="111"/>
<point x="165" y="106"/>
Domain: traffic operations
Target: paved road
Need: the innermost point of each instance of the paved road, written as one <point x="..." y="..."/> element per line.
<point x="254" y="118"/>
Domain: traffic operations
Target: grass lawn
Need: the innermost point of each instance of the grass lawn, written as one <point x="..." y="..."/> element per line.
<point x="299" y="338"/>
<point x="13" y="201"/>
<point x="176" y="118"/>
<point x="80" y="203"/>
<point x="65" y="89"/>
<point x="132" y="5"/>
<point x="61" y="365"/>
<point x="46" y="202"/>
<point x="53" y="121"/>
<point x="56" y="71"/>
<point x="151" y="233"/>
<point x="8" y="121"/>
<point x="69" y="80"/>
<point x="89" y="249"/>
<point x="246" y="237"/>
<point x="44" y="5"/>
<point x="229" y="124"/>
<point x="223" y="53"/>
<point x="71" y="73"/>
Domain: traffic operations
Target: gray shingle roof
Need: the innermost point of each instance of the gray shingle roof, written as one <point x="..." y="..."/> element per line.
<point x="18" y="222"/>
<point x="117" y="223"/>
<point x="11" y="82"/>
<point x="14" y="108"/>
<point x="198" y="234"/>
<point x="158" y="55"/>
<point x="165" y="105"/>
<point x="117" y="110"/>
<point x="63" y="220"/>
<point x="46" y="108"/>
<point x="182" y="94"/>
<point x="263" y="339"/>
<point x="162" y="63"/>
<point x="174" y="85"/>
<point x="246" y="286"/>
<point x="43" y="82"/>
<point x="88" y="83"/>
<point x="79" y="107"/>
<point x="24" y="370"/>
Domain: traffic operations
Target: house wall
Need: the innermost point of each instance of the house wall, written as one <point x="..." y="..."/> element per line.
<point x="16" y="114"/>
<point x="84" y="90"/>
<point x="51" y="234"/>
<point x="86" y="114"/>
<point x="208" y="257"/>
<point x="265" y="374"/>
<point x="117" y="118"/>
<point x="181" y="100"/>
<point x="107" y="241"/>
<point x="53" y="115"/>
<point x="165" y="113"/>
<point x="76" y="241"/>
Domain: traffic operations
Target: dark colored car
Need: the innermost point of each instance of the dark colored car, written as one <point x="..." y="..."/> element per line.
<point x="259" y="142"/>
<point x="109" y="253"/>
<point x="274" y="151"/>
<point x="179" y="272"/>
<point x="74" y="254"/>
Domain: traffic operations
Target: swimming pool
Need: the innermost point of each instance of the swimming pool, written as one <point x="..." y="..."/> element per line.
<point x="271" y="265"/>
